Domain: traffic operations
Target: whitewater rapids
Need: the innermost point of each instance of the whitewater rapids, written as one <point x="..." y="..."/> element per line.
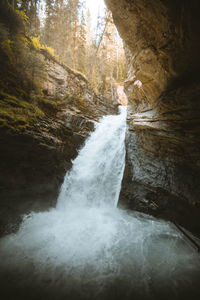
<point x="87" y="248"/>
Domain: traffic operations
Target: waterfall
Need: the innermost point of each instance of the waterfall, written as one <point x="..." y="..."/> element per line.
<point x="87" y="248"/>
<point x="96" y="175"/>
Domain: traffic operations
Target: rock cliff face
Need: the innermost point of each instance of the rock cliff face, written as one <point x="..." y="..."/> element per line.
<point x="34" y="160"/>
<point x="163" y="143"/>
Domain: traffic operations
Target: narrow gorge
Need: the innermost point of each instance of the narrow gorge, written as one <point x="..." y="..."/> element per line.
<point x="34" y="161"/>
<point x="162" y="45"/>
<point x="99" y="190"/>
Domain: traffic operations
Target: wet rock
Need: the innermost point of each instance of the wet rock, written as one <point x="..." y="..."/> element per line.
<point x="35" y="160"/>
<point x="162" y="44"/>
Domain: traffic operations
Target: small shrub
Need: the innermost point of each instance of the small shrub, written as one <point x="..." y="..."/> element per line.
<point x="50" y="50"/>
<point x="23" y="16"/>
<point x="38" y="46"/>
<point x="36" y="43"/>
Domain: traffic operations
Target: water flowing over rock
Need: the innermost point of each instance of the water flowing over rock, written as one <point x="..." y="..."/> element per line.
<point x="162" y="45"/>
<point x="87" y="248"/>
<point x="96" y="175"/>
<point x="34" y="161"/>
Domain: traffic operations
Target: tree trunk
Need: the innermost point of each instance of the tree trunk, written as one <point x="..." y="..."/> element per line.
<point x="97" y="50"/>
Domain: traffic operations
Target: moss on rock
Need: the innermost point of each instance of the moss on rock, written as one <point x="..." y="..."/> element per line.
<point x="17" y="114"/>
<point x="78" y="101"/>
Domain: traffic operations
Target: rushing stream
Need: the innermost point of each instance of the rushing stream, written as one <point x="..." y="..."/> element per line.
<point x="87" y="248"/>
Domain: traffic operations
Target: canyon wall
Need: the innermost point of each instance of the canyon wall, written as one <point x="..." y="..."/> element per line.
<point x="162" y="44"/>
<point x="36" y="155"/>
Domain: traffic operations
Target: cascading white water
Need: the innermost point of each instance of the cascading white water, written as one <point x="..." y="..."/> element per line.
<point x="96" y="175"/>
<point x="87" y="248"/>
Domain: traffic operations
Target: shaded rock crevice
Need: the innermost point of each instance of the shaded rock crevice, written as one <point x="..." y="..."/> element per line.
<point x="162" y="43"/>
<point x="34" y="160"/>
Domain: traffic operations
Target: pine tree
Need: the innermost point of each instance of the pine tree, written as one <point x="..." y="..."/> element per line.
<point x="81" y="52"/>
<point x="89" y="38"/>
<point x="48" y="31"/>
<point x="67" y="29"/>
<point x="31" y="8"/>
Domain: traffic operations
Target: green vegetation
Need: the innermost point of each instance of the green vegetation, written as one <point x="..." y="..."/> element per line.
<point x="96" y="52"/>
<point x="38" y="46"/>
<point x="50" y="106"/>
<point x="17" y="114"/>
<point x="22" y="74"/>
<point x="25" y="45"/>
<point x="22" y="71"/>
<point x="21" y="65"/>
<point x="79" y="102"/>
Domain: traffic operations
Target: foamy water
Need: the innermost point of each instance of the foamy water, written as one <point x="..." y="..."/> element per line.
<point x="87" y="248"/>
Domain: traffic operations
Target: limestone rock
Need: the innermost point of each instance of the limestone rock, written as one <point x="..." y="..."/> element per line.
<point x="35" y="160"/>
<point x="163" y="144"/>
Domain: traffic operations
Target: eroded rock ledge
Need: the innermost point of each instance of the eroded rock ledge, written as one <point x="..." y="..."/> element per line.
<point x="163" y="144"/>
<point x="34" y="160"/>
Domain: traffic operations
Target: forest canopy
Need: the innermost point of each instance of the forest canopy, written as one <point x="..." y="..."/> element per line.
<point x="61" y="32"/>
<point x="64" y="28"/>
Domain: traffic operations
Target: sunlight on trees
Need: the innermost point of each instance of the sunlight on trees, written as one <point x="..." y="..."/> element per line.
<point x="98" y="52"/>
<point x="63" y="28"/>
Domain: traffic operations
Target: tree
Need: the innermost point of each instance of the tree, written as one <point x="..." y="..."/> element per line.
<point x="101" y="31"/>
<point x="48" y="30"/>
<point x="81" y="52"/>
<point x="67" y="29"/>
<point x="31" y="8"/>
